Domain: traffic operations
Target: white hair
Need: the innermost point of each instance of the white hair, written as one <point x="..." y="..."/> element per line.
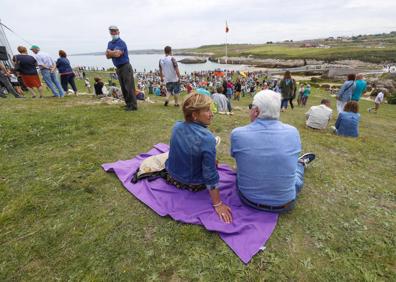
<point x="269" y="103"/>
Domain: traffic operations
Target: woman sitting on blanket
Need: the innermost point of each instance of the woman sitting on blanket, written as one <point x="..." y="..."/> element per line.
<point x="191" y="163"/>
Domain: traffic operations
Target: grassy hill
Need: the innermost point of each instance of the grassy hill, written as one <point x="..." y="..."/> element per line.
<point x="63" y="218"/>
<point x="379" y="48"/>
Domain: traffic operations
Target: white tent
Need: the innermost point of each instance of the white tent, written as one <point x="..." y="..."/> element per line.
<point x="4" y="42"/>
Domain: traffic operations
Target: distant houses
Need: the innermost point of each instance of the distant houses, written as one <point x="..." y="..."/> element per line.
<point x="313" y="45"/>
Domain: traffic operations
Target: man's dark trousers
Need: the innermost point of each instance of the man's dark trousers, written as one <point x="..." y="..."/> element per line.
<point x="127" y="83"/>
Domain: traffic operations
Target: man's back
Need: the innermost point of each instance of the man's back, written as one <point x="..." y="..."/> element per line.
<point x="168" y="67"/>
<point x="221" y="102"/>
<point x="266" y="152"/>
<point x="319" y="116"/>
<point x="361" y="86"/>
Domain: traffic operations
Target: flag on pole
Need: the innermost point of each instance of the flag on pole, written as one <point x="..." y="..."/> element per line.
<point x="227" y="29"/>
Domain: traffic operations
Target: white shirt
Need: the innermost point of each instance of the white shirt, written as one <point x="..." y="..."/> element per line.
<point x="379" y="98"/>
<point x="44" y="60"/>
<point x="318" y="116"/>
<point x="168" y="67"/>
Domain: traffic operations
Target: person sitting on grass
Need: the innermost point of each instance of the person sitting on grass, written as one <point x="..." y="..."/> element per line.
<point x="192" y="161"/>
<point x="221" y="101"/>
<point x="98" y="86"/>
<point x="347" y="123"/>
<point x="318" y="116"/>
<point x="115" y="91"/>
<point x="269" y="172"/>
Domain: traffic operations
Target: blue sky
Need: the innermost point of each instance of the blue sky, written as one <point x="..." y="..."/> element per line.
<point x="81" y="26"/>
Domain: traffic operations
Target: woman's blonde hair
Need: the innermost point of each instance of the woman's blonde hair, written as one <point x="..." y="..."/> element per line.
<point x="195" y="103"/>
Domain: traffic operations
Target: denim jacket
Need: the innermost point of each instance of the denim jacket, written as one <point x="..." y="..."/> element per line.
<point x="347" y="124"/>
<point x="345" y="93"/>
<point x="192" y="155"/>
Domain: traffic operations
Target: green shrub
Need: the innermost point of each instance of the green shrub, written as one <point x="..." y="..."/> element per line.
<point x="392" y="98"/>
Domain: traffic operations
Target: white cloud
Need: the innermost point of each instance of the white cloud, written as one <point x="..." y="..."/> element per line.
<point x="81" y="26"/>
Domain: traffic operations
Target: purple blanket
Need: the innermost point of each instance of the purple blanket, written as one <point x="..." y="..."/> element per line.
<point x="247" y="233"/>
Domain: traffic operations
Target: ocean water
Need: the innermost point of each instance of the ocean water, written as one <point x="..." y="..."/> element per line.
<point x="148" y="62"/>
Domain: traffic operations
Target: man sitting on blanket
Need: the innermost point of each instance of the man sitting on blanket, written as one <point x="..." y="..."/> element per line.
<point x="269" y="172"/>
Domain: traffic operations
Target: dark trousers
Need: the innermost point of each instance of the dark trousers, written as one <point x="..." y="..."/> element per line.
<point x="127" y="83"/>
<point x="68" y="79"/>
<point x="7" y="84"/>
<point x="291" y="103"/>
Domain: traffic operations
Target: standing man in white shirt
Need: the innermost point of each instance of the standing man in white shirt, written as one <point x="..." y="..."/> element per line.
<point x="169" y="72"/>
<point x="378" y="100"/>
<point x="48" y="70"/>
<point x="318" y="116"/>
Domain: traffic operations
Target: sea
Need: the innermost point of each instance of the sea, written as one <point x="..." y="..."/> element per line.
<point x="148" y="62"/>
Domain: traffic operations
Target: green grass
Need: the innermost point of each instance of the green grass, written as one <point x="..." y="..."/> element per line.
<point x="63" y="218"/>
<point x="374" y="49"/>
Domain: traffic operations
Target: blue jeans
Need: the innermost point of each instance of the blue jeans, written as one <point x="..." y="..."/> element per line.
<point x="284" y="103"/>
<point x="52" y="82"/>
<point x="298" y="185"/>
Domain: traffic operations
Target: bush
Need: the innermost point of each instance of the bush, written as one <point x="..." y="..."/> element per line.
<point x="392" y="98"/>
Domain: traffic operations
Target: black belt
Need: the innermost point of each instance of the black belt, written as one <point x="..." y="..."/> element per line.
<point x="267" y="207"/>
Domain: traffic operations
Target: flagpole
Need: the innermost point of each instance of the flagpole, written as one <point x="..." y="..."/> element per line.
<point x="226" y="44"/>
<point x="226" y="51"/>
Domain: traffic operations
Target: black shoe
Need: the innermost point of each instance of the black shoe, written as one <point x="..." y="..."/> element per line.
<point x="127" y="109"/>
<point x="306" y="158"/>
<point x="177" y="105"/>
<point x="166" y="103"/>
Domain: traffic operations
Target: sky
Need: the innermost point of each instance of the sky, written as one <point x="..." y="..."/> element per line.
<point x="79" y="26"/>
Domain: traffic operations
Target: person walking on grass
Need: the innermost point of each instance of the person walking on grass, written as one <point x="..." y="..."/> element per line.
<point x="378" y="100"/>
<point x="169" y="72"/>
<point x="288" y="90"/>
<point x="238" y="89"/>
<point x="300" y="94"/>
<point x="307" y="92"/>
<point x="117" y="51"/>
<point x="48" y="70"/>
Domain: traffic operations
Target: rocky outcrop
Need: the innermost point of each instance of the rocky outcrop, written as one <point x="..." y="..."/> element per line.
<point x="384" y="85"/>
<point x="262" y="63"/>
<point x="193" y="61"/>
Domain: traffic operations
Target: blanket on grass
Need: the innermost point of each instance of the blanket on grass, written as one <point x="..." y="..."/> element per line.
<point x="246" y="235"/>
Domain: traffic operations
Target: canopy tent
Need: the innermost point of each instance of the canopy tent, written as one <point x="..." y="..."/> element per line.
<point x="5" y="48"/>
